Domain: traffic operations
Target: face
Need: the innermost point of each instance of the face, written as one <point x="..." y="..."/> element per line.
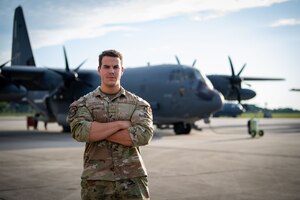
<point x="110" y="72"/>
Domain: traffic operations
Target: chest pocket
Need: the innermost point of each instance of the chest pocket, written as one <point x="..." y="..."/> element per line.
<point x="99" y="113"/>
<point x="125" y="111"/>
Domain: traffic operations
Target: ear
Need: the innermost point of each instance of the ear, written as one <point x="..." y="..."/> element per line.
<point x="122" y="70"/>
<point x="99" y="71"/>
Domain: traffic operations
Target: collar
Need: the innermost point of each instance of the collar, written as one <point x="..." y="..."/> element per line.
<point x="98" y="92"/>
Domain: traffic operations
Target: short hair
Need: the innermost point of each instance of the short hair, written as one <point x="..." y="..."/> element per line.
<point x="110" y="53"/>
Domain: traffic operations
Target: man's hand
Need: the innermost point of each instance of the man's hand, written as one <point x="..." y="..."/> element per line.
<point x="124" y="124"/>
<point x="121" y="137"/>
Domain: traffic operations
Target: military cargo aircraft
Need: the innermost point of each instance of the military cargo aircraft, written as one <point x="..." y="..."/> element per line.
<point x="179" y="95"/>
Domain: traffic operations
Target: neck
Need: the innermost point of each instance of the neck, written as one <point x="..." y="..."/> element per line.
<point x="110" y="90"/>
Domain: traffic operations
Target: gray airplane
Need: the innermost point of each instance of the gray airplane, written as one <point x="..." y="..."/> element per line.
<point x="179" y="95"/>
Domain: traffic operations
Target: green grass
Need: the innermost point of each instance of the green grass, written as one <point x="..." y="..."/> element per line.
<point x="274" y="115"/>
<point x="16" y="114"/>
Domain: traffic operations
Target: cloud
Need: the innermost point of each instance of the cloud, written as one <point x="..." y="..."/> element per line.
<point x="61" y="22"/>
<point x="285" y="22"/>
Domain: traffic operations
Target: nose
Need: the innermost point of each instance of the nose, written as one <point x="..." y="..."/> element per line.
<point x="111" y="70"/>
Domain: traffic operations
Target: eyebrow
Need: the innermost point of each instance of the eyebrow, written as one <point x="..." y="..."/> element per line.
<point x="112" y="66"/>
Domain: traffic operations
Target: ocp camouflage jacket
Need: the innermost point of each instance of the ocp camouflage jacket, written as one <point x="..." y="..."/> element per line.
<point x="105" y="160"/>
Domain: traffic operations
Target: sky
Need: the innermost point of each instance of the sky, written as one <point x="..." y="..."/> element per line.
<point x="265" y="34"/>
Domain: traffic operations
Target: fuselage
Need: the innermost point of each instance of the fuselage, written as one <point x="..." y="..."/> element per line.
<point x="176" y="93"/>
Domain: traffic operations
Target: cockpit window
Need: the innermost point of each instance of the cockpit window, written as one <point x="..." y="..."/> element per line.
<point x="204" y="79"/>
<point x="182" y="75"/>
<point x="175" y="75"/>
<point x="198" y="75"/>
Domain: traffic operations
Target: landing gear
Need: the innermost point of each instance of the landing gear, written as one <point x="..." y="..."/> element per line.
<point x="181" y="128"/>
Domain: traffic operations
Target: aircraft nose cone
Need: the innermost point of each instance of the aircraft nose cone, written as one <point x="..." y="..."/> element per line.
<point x="217" y="100"/>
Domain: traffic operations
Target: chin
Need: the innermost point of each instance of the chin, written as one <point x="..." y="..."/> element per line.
<point x="112" y="84"/>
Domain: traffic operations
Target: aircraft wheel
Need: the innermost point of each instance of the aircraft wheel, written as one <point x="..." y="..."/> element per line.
<point x="181" y="128"/>
<point x="261" y="133"/>
<point x="253" y="133"/>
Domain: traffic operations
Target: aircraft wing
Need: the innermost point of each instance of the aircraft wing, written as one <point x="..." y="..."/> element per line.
<point x="245" y="78"/>
<point x="32" y="78"/>
<point x="261" y="79"/>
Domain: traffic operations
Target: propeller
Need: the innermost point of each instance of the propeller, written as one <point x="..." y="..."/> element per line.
<point x="236" y="80"/>
<point x="70" y="76"/>
<point x="178" y="61"/>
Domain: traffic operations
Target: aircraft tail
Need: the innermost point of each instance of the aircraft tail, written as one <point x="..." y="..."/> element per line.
<point x="21" y="48"/>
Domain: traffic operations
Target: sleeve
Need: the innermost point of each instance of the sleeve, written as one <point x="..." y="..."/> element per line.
<point x="141" y="131"/>
<point x="80" y="120"/>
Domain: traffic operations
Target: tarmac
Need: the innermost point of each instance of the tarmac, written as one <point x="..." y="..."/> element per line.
<point x="218" y="163"/>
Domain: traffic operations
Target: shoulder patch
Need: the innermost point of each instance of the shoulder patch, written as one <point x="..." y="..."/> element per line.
<point x="72" y="111"/>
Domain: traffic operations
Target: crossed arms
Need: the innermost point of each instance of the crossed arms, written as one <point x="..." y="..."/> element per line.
<point x="136" y="132"/>
<point x="116" y="131"/>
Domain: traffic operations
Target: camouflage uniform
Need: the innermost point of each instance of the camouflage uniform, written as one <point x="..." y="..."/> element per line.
<point x="120" y="167"/>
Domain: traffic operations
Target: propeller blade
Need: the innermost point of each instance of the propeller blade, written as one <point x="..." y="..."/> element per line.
<point x="66" y="59"/>
<point x="231" y="66"/>
<point x="238" y="94"/>
<point x="77" y="68"/>
<point x="4" y="64"/>
<point x="239" y="98"/>
<point x="248" y="84"/>
<point x="194" y="63"/>
<point x="241" y="70"/>
<point x="177" y="59"/>
<point x="17" y="55"/>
